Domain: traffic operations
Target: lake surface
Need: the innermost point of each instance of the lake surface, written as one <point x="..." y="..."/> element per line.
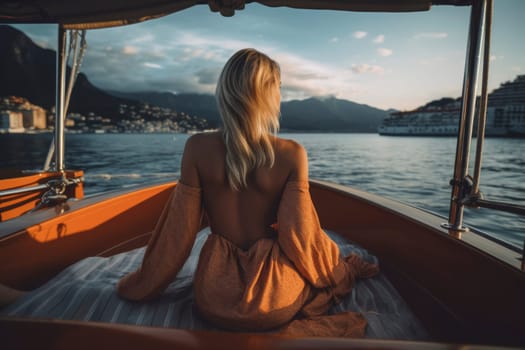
<point x="414" y="170"/>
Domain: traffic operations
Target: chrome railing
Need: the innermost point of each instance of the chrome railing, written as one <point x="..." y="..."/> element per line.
<point x="478" y="18"/>
<point x="466" y="189"/>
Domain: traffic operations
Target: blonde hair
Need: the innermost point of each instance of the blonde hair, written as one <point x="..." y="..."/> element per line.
<point x="248" y="98"/>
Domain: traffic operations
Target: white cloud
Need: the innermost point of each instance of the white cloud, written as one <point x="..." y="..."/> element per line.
<point x="130" y="50"/>
<point x="199" y="59"/>
<point x="367" y="68"/>
<point x="379" y="39"/>
<point x="209" y="48"/>
<point x="145" y="38"/>
<point x="360" y="34"/>
<point x="431" y="35"/>
<point x="516" y="68"/>
<point x="334" y="39"/>
<point x="303" y="77"/>
<point x="191" y="39"/>
<point x="152" y="65"/>
<point x="384" y="52"/>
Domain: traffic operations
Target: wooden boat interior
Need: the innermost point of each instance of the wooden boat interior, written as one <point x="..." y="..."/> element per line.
<point x="444" y="278"/>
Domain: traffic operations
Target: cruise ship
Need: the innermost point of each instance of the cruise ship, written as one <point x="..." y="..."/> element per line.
<point x="505" y="115"/>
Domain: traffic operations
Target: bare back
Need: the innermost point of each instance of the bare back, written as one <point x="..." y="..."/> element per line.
<point x="242" y="216"/>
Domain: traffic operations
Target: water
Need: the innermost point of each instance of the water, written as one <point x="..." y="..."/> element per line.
<point x="414" y="170"/>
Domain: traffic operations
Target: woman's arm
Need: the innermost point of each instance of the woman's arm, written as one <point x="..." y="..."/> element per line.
<point x="172" y="239"/>
<point x="299" y="160"/>
<point x="189" y="173"/>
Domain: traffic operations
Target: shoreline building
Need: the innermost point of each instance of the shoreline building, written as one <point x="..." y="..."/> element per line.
<point x="19" y="115"/>
<point x="34" y="117"/>
<point x="506" y="108"/>
<point x="11" y="122"/>
<point x="505" y="115"/>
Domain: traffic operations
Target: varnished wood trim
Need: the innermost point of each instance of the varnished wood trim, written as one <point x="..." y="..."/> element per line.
<point x="58" y="334"/>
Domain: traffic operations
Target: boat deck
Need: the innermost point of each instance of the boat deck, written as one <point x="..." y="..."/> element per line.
<point x="85" y="291"/>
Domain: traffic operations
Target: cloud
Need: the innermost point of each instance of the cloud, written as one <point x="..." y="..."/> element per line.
<point x="495" y="57"/>
<point x="152" y="65"/>
<point x="516" y="69"/>
<point x="303" y="77"/>
<point x="208" y="76"/>
<point x="130" y="50"/>
<point x="334" y="40"/>
<point x="359" y="34"/>
<point x="367" y="68"/>
<point x="300" y="72"/>
<point x="431" y="35"/>
<point x="384" y="52"/>
<point x="216" y="47"/>
<point x="379" y="39"/>
<point x="191" y="62"/>
<point x="144" y="38"/>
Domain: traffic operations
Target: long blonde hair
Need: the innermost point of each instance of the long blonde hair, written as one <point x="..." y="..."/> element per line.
<point x="248" y="97"/>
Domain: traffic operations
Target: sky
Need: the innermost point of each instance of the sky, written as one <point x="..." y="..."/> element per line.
<point x="385" y="60"/>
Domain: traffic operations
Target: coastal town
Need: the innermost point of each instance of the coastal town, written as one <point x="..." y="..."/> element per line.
<point x="18" y="115"/>
<point x="505" y="117"/>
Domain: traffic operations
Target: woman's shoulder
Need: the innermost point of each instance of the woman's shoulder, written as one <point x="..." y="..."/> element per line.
<point x="294" y="154"/>
<point x="201" y="153"/>
<point x="203" y="142"/>
<point x="290" y="148"/>
<point x="204" y="137"/>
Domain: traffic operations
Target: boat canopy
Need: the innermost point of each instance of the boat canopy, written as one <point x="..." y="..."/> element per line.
<point x="91" y="14"/>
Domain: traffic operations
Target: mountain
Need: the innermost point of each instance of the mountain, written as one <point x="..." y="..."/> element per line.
<point x="313" y="114"/>
<point x="28" y="70"/>
<point x="330" y="114"/>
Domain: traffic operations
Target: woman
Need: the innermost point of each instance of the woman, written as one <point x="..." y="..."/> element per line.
<point x="267" y="262"/>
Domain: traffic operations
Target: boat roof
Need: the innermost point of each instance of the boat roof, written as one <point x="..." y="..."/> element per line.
<point x="91" y="14"/>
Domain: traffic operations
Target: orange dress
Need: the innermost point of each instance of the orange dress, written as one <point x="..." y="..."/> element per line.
<point x="285" y="283"/>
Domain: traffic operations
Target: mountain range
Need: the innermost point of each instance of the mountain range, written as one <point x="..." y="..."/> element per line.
<point x="27" y="70"/>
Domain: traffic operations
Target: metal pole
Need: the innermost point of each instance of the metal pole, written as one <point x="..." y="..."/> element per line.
<point x="482" y="120"/>
<point x="73" y="46"/>
<point x="60" y="92"/>
<point x="468" y="106"/>
<point x="23" y="190"/>
<point x="78" y="52"/>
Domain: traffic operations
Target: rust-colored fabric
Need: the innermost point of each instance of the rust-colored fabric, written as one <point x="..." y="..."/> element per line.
<point x="169" y="246"/>
<point x="285" y="283"/>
